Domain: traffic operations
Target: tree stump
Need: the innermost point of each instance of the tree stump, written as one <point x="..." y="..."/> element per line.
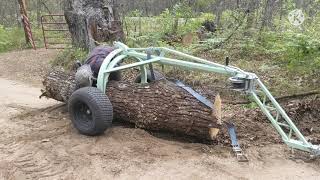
<point x="92" y="21"/>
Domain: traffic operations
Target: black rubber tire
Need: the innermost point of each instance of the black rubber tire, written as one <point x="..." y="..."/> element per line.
<point x="91" y="111"/>
<point x="157" y="76"/>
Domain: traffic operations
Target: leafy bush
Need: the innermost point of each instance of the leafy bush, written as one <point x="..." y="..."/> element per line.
<point x="11" y="38"/>
<point x="303" y="54"/>
<point x="14" y="38"/>
<point x="135" y="13"/>
<point x="299" y="52"/>
<point x="179" y="20"/>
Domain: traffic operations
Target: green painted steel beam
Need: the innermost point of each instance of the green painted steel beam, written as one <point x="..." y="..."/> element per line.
<point x="281" y="112"/>
<point x="195" y="63"/>
<point x="189" y="57"/>
<point x="187" y="64"/>
<point x="127" y="66"/>
<point x="269" y="116"/>
<point x="102" y="83"/>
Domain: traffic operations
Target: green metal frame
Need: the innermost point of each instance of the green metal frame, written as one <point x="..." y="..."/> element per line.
<point x="270" y="107"/>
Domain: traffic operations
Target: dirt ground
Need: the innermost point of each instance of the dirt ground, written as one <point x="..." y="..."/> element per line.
<point x="38" y="140"/>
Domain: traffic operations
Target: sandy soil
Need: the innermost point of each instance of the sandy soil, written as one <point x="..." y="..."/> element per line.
<point x="38" y="141"/>
<point x="26" y="66"/>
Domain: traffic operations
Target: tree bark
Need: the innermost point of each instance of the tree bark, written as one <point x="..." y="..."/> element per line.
<point x="160" y="105"/>
<point x="92" y="21"/>
<point x="23" y="11"/>
<point x="268" y="15"/>
<point x="38" y="13"/>
<point x="251" y="8"/>
<point x="218" y="13"/>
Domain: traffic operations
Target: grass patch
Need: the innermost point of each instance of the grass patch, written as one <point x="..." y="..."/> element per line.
<point x="67" y="57"/>
<point x="11" y="38"/>
<point x="14" y="39"/>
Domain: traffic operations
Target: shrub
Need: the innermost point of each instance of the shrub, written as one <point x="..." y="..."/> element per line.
<point x="11" y="38"/>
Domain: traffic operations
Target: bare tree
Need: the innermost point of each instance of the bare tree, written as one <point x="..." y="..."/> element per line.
<point x="268" y="14"/>
<point x="219" y="10"/>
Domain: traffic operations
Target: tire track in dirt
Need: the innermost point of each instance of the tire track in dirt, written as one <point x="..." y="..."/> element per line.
<point x="30" y="153"/>
<point x="49" y="166"/>
<point x="22" y="151"/>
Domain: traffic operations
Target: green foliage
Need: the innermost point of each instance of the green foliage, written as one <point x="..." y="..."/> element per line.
<point x="150" y="31"/>
<point x="14" y="38"/>
<point x="67" y="57"/>
<point x="167" y="19"/>
<point x="135" y="13"/>
<point x="192" y="25"/>
<point x="150" y="39"/>
<point x="209" y="44"/>
<point x="296" y="49"/>
<point x="11" y="38"/>
<point x="182" y="10"/>
<point x="206" y="17"/>
<point x="302" y="53"/>
<point x="299" y="52"/>
<point x="180" y="19"/>
<point x="251" y="105"/>
<point x="203" y="4"/>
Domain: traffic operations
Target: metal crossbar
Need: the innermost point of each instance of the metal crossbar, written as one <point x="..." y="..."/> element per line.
<point x="253" y="86"/>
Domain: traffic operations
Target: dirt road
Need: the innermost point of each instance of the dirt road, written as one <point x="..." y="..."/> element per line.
<point x="38" y="142"/>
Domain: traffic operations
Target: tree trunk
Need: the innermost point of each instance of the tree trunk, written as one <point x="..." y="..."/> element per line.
<point x="218" y="13"/>
<point x="92" y="21"/>
<point x="251" y="8"/>
<point x="160" y="105"/>
<point x="18" y="15"/>
<point x="23" y="11"/>
<point x="38" y="13"/>
<point x="268" y="15"/>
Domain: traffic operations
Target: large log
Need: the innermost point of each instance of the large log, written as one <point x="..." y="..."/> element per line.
<point x="160" y="105"/>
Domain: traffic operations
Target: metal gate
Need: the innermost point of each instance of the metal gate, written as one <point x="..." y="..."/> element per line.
<point x="55" y="31"/>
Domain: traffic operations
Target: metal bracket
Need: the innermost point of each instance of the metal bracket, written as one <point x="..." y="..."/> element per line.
<point x="239" y="154"/>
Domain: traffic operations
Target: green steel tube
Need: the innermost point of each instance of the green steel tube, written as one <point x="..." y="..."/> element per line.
<point x="186" y="64"/>
<point x="195" y="66"/>
<point x="282" y="112"/>
<point x="104" y="75"/>
<point x="193" y="58"/>
<point x="270" y="117"/>
<point x="299" y="145"/>
<point x="154" y="60"/>
<point x="100" y="81"/>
